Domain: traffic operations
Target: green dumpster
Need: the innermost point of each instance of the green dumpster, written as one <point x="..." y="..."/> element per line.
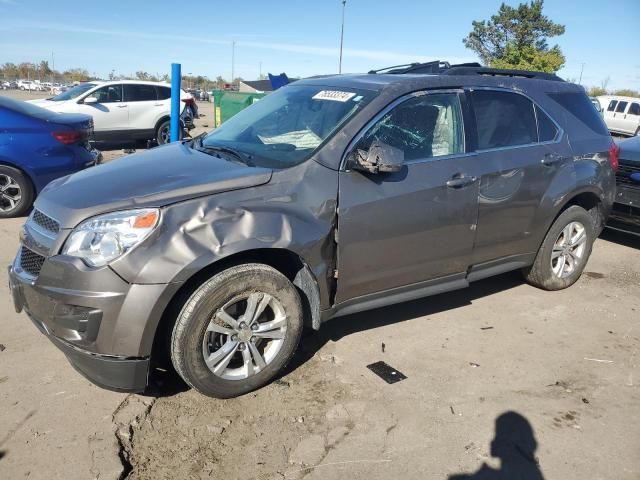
<point x="227" y="103"/>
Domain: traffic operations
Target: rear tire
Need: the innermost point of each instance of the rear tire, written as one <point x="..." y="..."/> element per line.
<point x="163" y="133"/>
<point x="564" y="252"/>
<point x="16" y="192"/>
<point x="219" y="348"/>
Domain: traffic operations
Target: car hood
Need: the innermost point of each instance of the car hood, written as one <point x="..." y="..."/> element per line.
<point x="156" y="177"/>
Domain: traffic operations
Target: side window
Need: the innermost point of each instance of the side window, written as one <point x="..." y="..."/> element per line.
<point x="139" y="93"/>
<point x="547" y="130"/>
<point x="621" y="107"/>
<point x="163" y="93"/>
<point x="612" y="105"/>
<point x="423" y="127"/>
<point x="108" y="94"/>
<point x="503" y="119"/>
<point x="634" y="109"/>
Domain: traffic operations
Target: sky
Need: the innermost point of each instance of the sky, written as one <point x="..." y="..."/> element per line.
<point x="299" y="37"/>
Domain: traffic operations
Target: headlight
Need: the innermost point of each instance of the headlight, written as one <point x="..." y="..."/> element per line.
<point x="104" y="238"/>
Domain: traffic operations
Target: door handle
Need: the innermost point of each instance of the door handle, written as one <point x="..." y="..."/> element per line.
<point x="551" y="159"/>
<point x="460" y="181"/>
<point x="122" y="106"/>
<point x="158" y="105"/>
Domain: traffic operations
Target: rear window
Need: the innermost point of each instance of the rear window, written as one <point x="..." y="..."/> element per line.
<point x="28" y="109"/>
<point x="139" y="93"/>
<point x="163" y="93"/>
<point x="580" y="107"/>
<point x="503" y="119"/>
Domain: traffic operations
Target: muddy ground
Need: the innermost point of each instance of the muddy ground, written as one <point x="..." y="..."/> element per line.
<point x="556" y="372"/>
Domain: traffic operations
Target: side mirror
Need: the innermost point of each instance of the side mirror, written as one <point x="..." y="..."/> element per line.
<point x="381" y="158"/>
<point x="90" y="100"/>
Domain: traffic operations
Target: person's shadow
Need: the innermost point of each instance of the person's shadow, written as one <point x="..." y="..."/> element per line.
<point x="515" y="445"/>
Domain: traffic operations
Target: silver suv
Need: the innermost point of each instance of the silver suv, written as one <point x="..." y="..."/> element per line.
<point x="330" y="196"/>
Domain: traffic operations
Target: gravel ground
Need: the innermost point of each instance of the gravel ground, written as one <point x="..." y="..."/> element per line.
<point x="503" y="379"/>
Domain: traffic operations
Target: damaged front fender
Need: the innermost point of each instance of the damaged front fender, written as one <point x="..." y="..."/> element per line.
<point x="295" y="211"/>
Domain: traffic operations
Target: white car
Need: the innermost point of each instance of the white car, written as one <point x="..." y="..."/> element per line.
<point x="29" y="85"/>
<point x="123" y="110"/>
<point x="621" y="114"/>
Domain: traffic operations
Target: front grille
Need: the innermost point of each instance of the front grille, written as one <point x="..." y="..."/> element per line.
<point x="624" y="173"/>
<point x="30" y="261"/>
<point x="45" y="221"/>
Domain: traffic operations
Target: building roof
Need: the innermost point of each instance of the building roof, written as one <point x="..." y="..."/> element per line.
<point x="260" y="85"/>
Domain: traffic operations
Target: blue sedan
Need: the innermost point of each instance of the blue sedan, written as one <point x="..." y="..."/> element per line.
<point x="37" y="146"/>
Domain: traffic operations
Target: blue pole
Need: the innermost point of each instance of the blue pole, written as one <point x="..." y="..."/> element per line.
<point x="175" y="102"/>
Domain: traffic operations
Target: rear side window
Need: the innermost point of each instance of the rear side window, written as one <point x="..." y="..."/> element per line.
<point x="503" y="119"/>
<point x="163" y="93"/>
<point x="612" y="105"/>
<point x="621" y="107"/>
<point x="580" y="107"/>
<point x="423" y="127"/>
<point x="547" y="130"/>
<point x="634" y="109"/>
<point x="139" y="93"/>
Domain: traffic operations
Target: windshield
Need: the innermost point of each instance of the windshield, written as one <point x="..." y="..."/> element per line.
<point x="286" y="127"/>
<point x="74" y="92"/>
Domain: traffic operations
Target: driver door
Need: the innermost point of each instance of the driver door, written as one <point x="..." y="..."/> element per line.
<point x="418" y="224"/>
<point x="110" y="114"/>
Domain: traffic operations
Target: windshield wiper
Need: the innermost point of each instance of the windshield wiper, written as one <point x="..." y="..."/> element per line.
<point x="244" y="158"/>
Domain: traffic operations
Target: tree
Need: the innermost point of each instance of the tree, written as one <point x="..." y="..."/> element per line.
<point x="627" y="92"/>
<point x="517" y="38"/>
<point x="596" y="91"/>
<point x="44" y="69"/>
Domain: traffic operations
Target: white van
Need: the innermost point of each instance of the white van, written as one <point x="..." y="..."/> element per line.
<point x="621" y="114"/>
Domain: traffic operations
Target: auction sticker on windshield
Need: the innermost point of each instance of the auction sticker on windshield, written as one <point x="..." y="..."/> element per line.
<point x="334" y="95"/>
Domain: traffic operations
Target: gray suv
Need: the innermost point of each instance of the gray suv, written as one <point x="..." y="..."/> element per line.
<point x="330" y="196"/>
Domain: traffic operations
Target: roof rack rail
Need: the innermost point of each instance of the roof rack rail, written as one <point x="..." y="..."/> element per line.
<point x="438" y="67"/>
<point x="435" y="66"/>
<point x="499" y="72"/>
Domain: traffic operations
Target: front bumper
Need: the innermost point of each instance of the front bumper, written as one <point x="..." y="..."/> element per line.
<point x="103" y="325"/>
<point x="625" y="218"/>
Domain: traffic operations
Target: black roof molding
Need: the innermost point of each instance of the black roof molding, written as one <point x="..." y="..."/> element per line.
<point x="438" y="67"/>
<point x="501" y="72"/>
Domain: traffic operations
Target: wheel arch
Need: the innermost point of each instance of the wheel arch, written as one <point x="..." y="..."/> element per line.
<point x="287" y="262"/>
<point x="27" y="173"/>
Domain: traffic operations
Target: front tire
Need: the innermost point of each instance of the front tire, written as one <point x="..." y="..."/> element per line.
<point x="564" y="252"/>
<point x="237" y="331"/>
<point x="16" y="192"/>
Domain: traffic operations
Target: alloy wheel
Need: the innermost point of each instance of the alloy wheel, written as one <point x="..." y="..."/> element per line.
<point x="244" y="336"/>
<point x="568" y="250"/>
<point x="10" y="193"/>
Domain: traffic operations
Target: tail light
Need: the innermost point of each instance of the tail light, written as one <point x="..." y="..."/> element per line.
<point x="70" y="137"/>
<point x="614" y="151"/>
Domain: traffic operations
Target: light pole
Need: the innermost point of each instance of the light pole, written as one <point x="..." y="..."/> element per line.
<point x="581" y="70"/>
<point x="233" y="61"/>
<point x="344" y="3"/>
<point x="190" y="86"/>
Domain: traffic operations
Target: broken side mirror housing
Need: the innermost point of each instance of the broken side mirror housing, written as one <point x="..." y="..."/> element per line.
<point x="380" y="158"/>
